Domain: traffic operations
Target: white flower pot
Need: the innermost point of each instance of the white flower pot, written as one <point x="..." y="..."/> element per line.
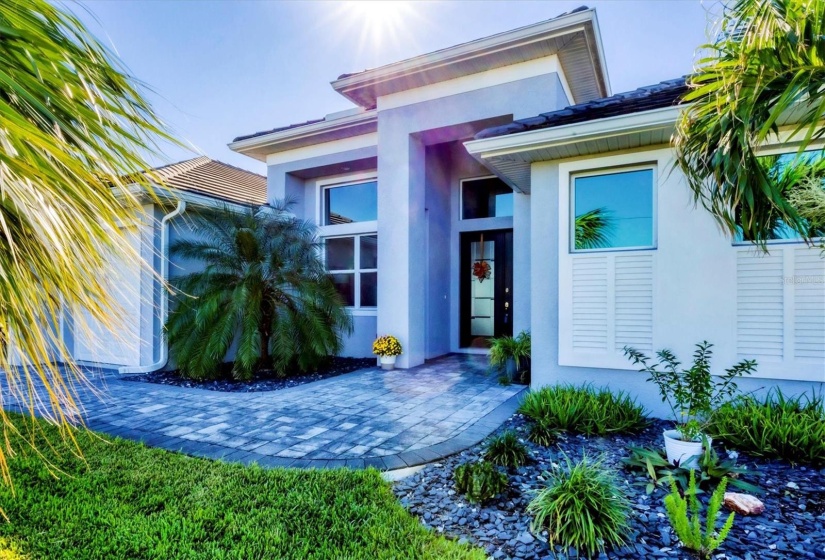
<point x="388" y="362"/>
<point x="686" y="453"/>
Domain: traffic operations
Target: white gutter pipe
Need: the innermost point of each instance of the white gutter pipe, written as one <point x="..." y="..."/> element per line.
<point x="164" y="295"/>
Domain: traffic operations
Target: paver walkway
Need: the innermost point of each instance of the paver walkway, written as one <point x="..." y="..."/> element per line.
<point x="367" y="418"/>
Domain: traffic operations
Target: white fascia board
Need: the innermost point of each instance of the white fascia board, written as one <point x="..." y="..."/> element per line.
<point x="565" y="25"/>
<point x="473" y="82"/>
<point x="302" y="132"/>
<point x="573" y="133"/>
<point x="324" y="148"/>
<point x="599" y="46"/>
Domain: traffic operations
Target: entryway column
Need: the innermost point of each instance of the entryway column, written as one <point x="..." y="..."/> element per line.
<point x="402" y="231"/>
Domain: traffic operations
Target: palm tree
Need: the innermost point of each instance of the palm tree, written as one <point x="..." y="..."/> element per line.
<point x="592" y="229"/>
<point x="73" y="124"/>
<point x="765" y="68"/>
<point x="263" y="285"/>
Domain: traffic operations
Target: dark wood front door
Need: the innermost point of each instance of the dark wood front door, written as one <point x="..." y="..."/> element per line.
<point x="486" y="286"/>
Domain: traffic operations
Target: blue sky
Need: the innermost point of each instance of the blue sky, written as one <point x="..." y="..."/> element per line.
<point x="220" y="69"/>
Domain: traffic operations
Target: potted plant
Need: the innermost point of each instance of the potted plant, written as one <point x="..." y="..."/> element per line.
<point x="511" y="354"/>
<point x="692" y="395"/>
<point x="387" y="348"/>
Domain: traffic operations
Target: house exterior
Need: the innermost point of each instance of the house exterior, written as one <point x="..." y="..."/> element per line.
<point x="448" y="198"/>
<point x="137" y="345"/>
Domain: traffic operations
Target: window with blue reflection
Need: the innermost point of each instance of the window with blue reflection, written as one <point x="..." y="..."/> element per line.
<point x="351" y="203"/>
<point x="788" y="171"/>
<point x="613" y="211"/>
<point x="485" y="198"/>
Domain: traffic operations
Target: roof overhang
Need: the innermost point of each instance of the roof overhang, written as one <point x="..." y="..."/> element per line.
<point x="325" y="131"/>
<point x="574" y="38"/>
<point x="511" y="156"/>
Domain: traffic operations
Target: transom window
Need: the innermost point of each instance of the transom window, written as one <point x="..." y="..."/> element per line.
<point x="613" y="210"/>
<point x="489" y="197"/>
<point x="346" y="204"/>
<point x="352" y="262"/>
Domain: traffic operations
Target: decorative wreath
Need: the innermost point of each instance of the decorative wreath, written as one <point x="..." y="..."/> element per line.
<point x="481" y="270"/>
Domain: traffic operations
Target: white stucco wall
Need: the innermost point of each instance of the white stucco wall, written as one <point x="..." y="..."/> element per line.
<point x="695" y="287"/>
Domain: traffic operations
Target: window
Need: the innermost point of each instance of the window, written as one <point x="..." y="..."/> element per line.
<point x="347" y="204"/>
<point x="613" y="210"/>
<point x="811" y="165"/>
<point x="485" y="198"/>
<point x="352" y="263"/>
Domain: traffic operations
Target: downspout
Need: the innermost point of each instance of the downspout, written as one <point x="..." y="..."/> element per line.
<point x="163" y="357"/>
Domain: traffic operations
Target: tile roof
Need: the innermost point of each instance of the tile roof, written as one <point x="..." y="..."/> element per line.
<point x="279" y="129"/>
<point x="205" y="176"/>
<point x="657" y="96"/>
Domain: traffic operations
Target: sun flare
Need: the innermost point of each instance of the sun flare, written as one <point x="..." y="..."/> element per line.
<point x="380" y="18"/>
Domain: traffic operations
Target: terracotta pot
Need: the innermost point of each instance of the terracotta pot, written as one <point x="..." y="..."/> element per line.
<point x="686" y="453"/>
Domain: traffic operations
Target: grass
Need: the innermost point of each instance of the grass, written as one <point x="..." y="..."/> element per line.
<point x="124" y="500"/>
<point x="583" y="410"/>
<point x="775" y="427"/>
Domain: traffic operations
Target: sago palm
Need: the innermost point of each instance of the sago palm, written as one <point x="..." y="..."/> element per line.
<point x="73" y="124"/>
<point x="765" y="68"/>
<point x="263" y="286"/>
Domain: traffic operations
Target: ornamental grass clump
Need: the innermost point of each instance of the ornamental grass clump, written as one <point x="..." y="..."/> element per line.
<point x="683" y="513"/>
<point x="505" y="450"/>
<point x="776" y="427"/>
<point x="581" y="506"/>
<point x="479" y="482"/>
<point x="386" y="346"/>
<point x="584" y="410"/>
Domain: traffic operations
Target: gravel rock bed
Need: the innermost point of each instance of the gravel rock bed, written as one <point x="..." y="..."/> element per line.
<point x="264" y="380"/>
<point x="792" y="526"/>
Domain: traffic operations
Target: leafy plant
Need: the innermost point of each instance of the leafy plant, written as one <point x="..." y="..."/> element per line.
<point x="654" y="463"/>
<point x="386" y="346"/>
<point x="263" y="286"/>
<point x="581" y="506"/>
<point x="789" y="428"/>
<point x="542" y="434"/>
<point x="504" y="348"/>
<point x="506" y="450"/>
<point x="683" y="513"/>
<point x="584" y="410"/>
<point x="479" y="481"/>
<point x="764" y="64"/>
<point x="76" y="133"/>
<point x="691" y="394"/>
<point x="593" y="229"/>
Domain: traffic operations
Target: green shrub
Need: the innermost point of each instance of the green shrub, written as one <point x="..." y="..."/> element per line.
<point x="712" y="470"/>
<point x="584" y="410"/>
<point x="542" y="434"/>
<point x="506" y="450"/>
<point x="688" y="525"/>
<point x="790" y="428"/>
<point x="480" y="481"/>
<point x="582" y="506"/>
<point x="262" y="287"/>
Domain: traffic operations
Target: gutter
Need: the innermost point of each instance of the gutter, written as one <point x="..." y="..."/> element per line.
<point x="164" y="296"/>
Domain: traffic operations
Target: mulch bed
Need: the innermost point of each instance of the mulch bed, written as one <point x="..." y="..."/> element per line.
<point x="792" y="526"/>
<point x="264" y="380"/>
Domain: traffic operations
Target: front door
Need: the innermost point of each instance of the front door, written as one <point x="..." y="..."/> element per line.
<point x="486" y="286"/>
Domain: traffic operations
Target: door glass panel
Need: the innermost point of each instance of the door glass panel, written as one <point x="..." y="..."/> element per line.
<point x="369" y="251"/>
<point x="482" y="288"/>
<point x="369" y="289"/>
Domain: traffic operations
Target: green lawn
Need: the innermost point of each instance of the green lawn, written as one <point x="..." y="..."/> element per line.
<point x="130" y="501"/>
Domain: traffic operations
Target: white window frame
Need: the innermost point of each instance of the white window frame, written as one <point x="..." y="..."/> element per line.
<point x="324" y="185"/>
<point x="571" y="247"/>
<point x="356" y="271"/>
<point x="461" y="200"/>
